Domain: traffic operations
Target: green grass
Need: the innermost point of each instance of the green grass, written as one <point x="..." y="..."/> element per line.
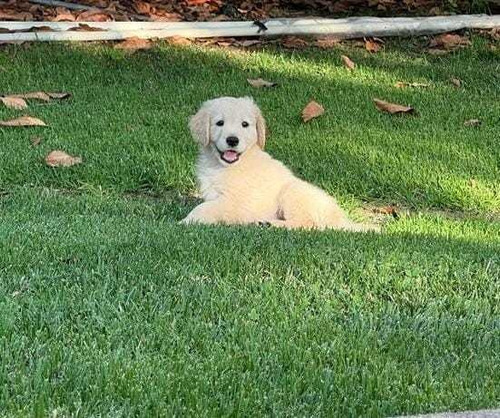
<point x="109" y="307"/>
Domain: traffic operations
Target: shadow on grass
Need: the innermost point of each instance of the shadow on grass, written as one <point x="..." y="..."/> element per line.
<point x="107" y="297"/>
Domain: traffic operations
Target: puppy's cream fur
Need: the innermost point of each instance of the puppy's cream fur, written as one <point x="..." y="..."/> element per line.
<point x="256" y="188"/>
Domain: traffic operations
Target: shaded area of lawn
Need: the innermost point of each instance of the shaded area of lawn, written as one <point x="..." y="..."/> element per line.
<point x="108" y="307"/>
<point x="129" y="113"/>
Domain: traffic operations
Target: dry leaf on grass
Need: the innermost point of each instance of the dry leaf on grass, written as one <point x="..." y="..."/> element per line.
<point x="35" y="141"/>
<point x="403" y="84"/>
<point x="259" y="83"/>
<point x="41" y="95"/>
<point x="472" y="122"/>
<point x="327" y="42"/>
<point x="23" y="121"/>
<point x="392" y="108"/>
<point x="372" y="45"/>
<point x="134" y="43"/>
<point x="14" y="102"/>
<point x="387" y="210"/>
<point x="38" y="95"/>
<point x="59" y="158"/>
<point x="449" y="41"/>
<point x="456" y="82"/>
<point x="349" y="64"/>
<point x="179" y="41"/>
<point x="312" y="110"/>
<point x="495" y="33"/>
<point x="294" y="42"/>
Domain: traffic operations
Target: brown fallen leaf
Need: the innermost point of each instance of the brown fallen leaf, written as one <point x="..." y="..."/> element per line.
<point x="371" y="45"/>
<point x="294" y="42"/>
<point x="35" y="141"/>
<point x="14" y="102"/>
<point x="63" y="15"/>
<point x="165" y="17"/>
<point x="41" y="95"/>
<point x="10" y="15"/>
<point x="456" y="82"/>
<point x="179" y="41"/>
<point x="37" y="95"/>
<point x="225" y="42"/>
<point x="83" y="27"/>
<point x="349" y="64"/>
<point x="142" y="7"/>
<point x="495" y="33"/>
<point x="392" y="108"/>
<point x="23" y="121"/>
<point x="59" y="158"/>
<point x="40" y="29"/>
<point x="259" y="83"/>
<point x="472" y="122"/>
<point x="94" y="16"/>
<point x="449" y="41"/>
<point x="312" y="110"/>
<point x="326" y="42"/>
<point x="387" y="210"/>
<point x="249" y="42"/>
<point x="134" y="44"/>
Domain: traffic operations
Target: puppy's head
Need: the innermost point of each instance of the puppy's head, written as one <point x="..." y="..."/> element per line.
<point x="229" y="127"/>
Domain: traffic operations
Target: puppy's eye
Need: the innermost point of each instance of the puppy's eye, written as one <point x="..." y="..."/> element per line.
<point x="244" y="124"/>
<point x="220" y="123"/>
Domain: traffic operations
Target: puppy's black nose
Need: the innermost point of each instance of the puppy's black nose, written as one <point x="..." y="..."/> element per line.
<point x="232" y="141"/>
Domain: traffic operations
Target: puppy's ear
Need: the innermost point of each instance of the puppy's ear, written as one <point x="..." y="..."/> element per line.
<point x="261" y="128"/>
<point x="199" y="124"/>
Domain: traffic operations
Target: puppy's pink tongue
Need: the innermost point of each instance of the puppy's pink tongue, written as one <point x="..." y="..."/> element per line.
<point x="230" y="156"/>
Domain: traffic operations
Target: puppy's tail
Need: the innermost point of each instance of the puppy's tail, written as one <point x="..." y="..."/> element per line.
<point x="339" y="220"/>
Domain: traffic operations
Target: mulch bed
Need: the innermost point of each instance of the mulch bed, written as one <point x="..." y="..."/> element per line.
<point x="219" y="10"/>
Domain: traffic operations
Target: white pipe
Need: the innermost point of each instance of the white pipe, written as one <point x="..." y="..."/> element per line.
<point x="354" y="27"/>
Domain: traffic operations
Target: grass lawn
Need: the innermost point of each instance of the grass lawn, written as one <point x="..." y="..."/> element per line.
<point x="108" y="307"/>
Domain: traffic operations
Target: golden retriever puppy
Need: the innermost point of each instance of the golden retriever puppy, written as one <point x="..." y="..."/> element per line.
<point x="242" y="184"/>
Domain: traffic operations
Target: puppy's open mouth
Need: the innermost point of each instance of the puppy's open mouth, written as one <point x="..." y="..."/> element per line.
<point x="229" y="156"/>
